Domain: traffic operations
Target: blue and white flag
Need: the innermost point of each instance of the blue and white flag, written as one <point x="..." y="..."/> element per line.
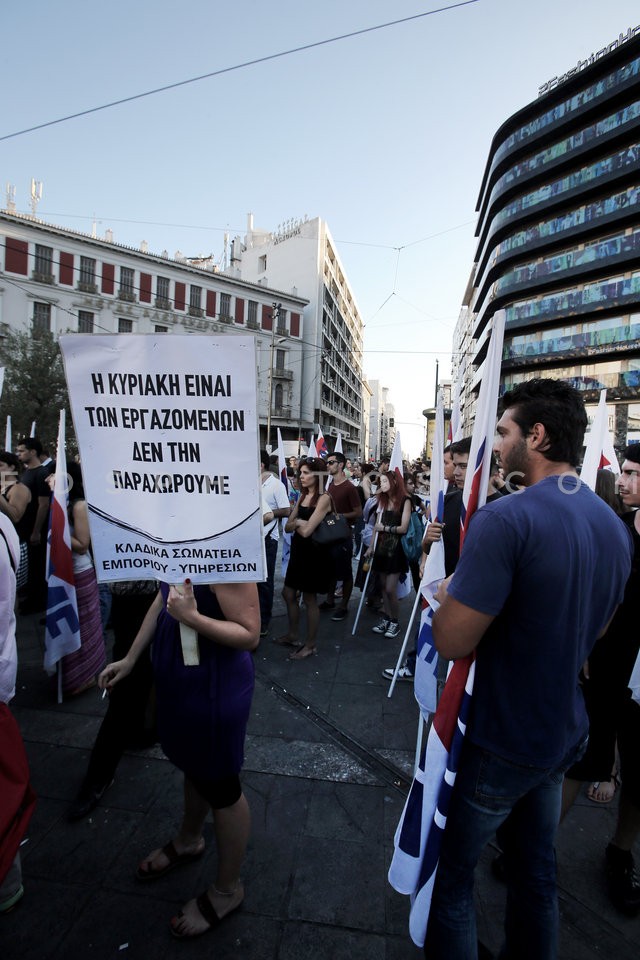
<point x="62" y="631"/>
<point x="418" y="838"/>
<point x="425" y="683"/>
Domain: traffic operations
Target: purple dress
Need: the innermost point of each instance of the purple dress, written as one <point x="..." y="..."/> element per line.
<point x="202" y="710"/>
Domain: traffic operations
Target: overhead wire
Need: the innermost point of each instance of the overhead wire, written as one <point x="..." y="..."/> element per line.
<point x="238" y="66"/>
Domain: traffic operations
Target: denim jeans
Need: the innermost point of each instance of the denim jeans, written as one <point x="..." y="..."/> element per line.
<point x="521" y="803"/>
<point x="265" y="589"/>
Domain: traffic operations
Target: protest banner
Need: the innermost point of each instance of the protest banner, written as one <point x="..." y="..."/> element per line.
<point x="167" y="429"/>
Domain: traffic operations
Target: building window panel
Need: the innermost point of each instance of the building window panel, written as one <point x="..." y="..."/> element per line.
<point x="87" y="279"/>
<point x="43" y="267"/>
<point x="225" y="305"/>
<point x="124" y="325"/>
<point x="163" y="293"/>
<point x="41" y="317"/>
<point x="127" y="289"/>
<point x="85" y="321"/>
<point x="195" y="297"/>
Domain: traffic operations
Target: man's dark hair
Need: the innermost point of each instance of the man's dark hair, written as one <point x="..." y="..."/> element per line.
<point x="632" y="452"/>
<point x="559" y="408"/>
<point x="340" y="457"/>
<point x="265" y="459"/>
<point x="461" y="446"/>
<point x="31" y="443"/>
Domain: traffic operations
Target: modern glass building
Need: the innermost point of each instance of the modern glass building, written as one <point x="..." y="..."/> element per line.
<point x="559" y="239"/>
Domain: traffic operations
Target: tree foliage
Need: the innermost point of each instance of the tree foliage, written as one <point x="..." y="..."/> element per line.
<point x="35" y="387"/>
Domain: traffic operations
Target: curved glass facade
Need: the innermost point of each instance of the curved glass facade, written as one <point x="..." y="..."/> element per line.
<point x="618" y="162"/>
<point x="553" y="115"/>
<point x="561" y="148"/>
<point x="597" y="250"/>
<point x="590" y="335"/>
<point x="584" y="215"/>
<point x="562" y="255"/>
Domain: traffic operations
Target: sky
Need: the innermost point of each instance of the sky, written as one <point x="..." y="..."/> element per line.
<point x="384" y="135"/>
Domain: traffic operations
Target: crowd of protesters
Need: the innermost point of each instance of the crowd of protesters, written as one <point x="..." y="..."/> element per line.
<point x="377" y="505"/>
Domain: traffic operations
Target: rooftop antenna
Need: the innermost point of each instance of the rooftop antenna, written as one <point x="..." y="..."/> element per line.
<point x="94" y="228"/>
<point x="226" y="245"/>
<point x="36" y="195"/>
<point x="11" y="198"/>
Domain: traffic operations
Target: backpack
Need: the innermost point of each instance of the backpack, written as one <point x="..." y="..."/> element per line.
<point x="412" y="539"/>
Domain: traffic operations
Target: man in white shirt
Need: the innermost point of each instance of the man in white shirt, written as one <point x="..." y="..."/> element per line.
<point x="276" y="499"/>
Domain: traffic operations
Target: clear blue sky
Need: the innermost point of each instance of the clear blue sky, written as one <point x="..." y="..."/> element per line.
<point x="384" y="135"/>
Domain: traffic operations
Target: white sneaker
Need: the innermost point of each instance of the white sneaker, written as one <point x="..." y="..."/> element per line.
<point x="382" y="627"/>
<point x="393" y="629"/>
<point x="403" y="674"/>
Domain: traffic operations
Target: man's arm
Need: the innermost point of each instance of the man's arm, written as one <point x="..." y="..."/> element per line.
<point x="457" y="629"/>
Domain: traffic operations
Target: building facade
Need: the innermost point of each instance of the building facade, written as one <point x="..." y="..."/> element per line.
<point x="55" y="279"/>
<point x="559" y="239"/>
<point x="382" y="430"/>
<point x="301" y="257"/>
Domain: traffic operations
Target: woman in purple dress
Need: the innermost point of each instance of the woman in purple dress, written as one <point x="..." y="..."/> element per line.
<point x="203" y="711"/>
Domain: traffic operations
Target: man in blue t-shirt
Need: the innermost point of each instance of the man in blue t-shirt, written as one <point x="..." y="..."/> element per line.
<point x="538" y="580"/>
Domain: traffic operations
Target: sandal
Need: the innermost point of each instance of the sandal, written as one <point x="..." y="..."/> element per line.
<point x="302" y="653"/>
<point x="175" y="860"/>
<point x="285" y="641"/>
<point x="208" y="914"/>
<point x="606" y="789"/>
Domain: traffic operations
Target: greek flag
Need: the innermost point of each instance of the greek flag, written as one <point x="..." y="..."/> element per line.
<point x="62" y="631"/>
<point x="418" y="838"/>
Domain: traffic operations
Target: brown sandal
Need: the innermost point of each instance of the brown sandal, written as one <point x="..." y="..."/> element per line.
<point x="175" y="860"/>
<point x="208" y="914"/>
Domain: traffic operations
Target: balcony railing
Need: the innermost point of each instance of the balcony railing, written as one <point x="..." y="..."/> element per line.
<point x="87" y="287"/>
<point x="163" y="303"/>
<point x="127" y="295"/>
<point x="196" y="312"/>
<point x="42" y="277"/>
<point x="283" y="373"/>
<point x="282" y="412"/>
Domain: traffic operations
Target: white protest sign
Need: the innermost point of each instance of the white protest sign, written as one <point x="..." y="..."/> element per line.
<point x="167" y="428"/>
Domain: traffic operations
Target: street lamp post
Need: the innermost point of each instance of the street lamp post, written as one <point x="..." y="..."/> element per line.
<point x="274" y="316"/>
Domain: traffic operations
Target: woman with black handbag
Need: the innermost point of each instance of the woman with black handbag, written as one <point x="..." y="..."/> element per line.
<point x="389" y="560"/>
<point x="309" y="570"/>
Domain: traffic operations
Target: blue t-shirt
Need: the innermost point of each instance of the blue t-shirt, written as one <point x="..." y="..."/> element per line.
<point x="551" y="566"/>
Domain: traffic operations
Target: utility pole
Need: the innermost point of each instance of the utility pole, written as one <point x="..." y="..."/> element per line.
<point x="274" y="316"/>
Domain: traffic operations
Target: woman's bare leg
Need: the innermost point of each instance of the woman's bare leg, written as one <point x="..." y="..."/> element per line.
<point x="232" y="826"/>
<point x="313" y="617"/>
<point x="391" y="595"/>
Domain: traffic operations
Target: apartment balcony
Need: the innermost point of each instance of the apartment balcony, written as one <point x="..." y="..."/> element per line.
<point x="281" y="413"/>
<point x="87" y="288"/>
<point x="253" y="325"/>
<point x="127" y="295"/>
<point x="282" y="374"/>
<point x="163" y="303"/>
<point x="196" y="312"/>
<point x="42" y="277"/>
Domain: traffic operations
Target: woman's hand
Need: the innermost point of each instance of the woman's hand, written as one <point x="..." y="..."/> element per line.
<point x="378" y="527"/>
<point x="114" y="672"/>
<point x="181" y="603"/>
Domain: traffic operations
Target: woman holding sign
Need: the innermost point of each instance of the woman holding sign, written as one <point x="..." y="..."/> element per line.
<point x="203" y="709"/>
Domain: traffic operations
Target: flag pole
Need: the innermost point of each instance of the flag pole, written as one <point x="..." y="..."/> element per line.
<point x="404" y="645"/>
<point x="364" y="589"/>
